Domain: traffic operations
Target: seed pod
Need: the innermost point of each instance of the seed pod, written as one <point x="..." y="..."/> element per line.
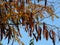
<point x="23" y="21"/>
<point x="36" y="27"/>
<point x="52" y="36"/>
<point x="44" y="26"/>
<point x="47" y="34"/>
<point x="39" y="32"/>
<point x="35" y="37"/>
<point x="30" y="33"/>
<point x="45" y="3"/>
<point x="32" y="26"/>
<point x="45" y="31"/>
<point x="22" y="8"/>
<point x="26" y="28"/>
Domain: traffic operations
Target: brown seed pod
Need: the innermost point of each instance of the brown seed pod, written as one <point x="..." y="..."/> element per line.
<point x="46" y="34"/>
<point x="44" y="26"/>
<point x="36" y="27"/>
<point x="52" y="36"/>
<point x="36" y="37"/>
<point x="45" y="31"/>
<point x="39" y="32"/>
<point x="30" y="33"/>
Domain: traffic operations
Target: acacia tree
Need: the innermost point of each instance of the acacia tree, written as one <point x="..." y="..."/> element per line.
<point x="14" y="13"/>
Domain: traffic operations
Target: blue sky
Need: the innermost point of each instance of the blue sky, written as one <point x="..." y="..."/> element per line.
<point x="25" y="38"/>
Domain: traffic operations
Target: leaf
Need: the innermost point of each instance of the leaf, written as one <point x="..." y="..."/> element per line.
<point x="51" y="12"/>
<point x="15" y="32"/>
<point x="22" y="6"/>
<point x="56" y="16"/>
<point x="17" y="39"/>
<point x="41" y="15"/>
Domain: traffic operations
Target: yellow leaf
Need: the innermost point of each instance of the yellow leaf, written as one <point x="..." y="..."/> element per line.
<point x="41" y="15"/>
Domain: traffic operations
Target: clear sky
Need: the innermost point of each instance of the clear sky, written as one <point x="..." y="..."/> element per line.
<point x="43" y="41"/>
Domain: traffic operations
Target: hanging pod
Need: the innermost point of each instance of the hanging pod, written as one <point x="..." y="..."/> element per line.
<point x="30" y="33"/>
<point x="45" y="31"/>
<point x="26" y="28"/>
<point x="39" y="32"/>
<point x="36" y="37"/>
<point x="45" y="3"/>
<point x="52" y="36"/>
<point x="46" y="34"/>
<point x="44" y="26"/>
<point x="36" y="27"/>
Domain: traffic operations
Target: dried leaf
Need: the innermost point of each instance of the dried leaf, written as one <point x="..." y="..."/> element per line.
<point x="41" y="15"/>
<point x="51" y="12"/>
<point x="17" y="39"/>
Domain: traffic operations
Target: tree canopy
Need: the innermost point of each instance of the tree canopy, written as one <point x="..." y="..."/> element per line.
<point x="28" y="13"/>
